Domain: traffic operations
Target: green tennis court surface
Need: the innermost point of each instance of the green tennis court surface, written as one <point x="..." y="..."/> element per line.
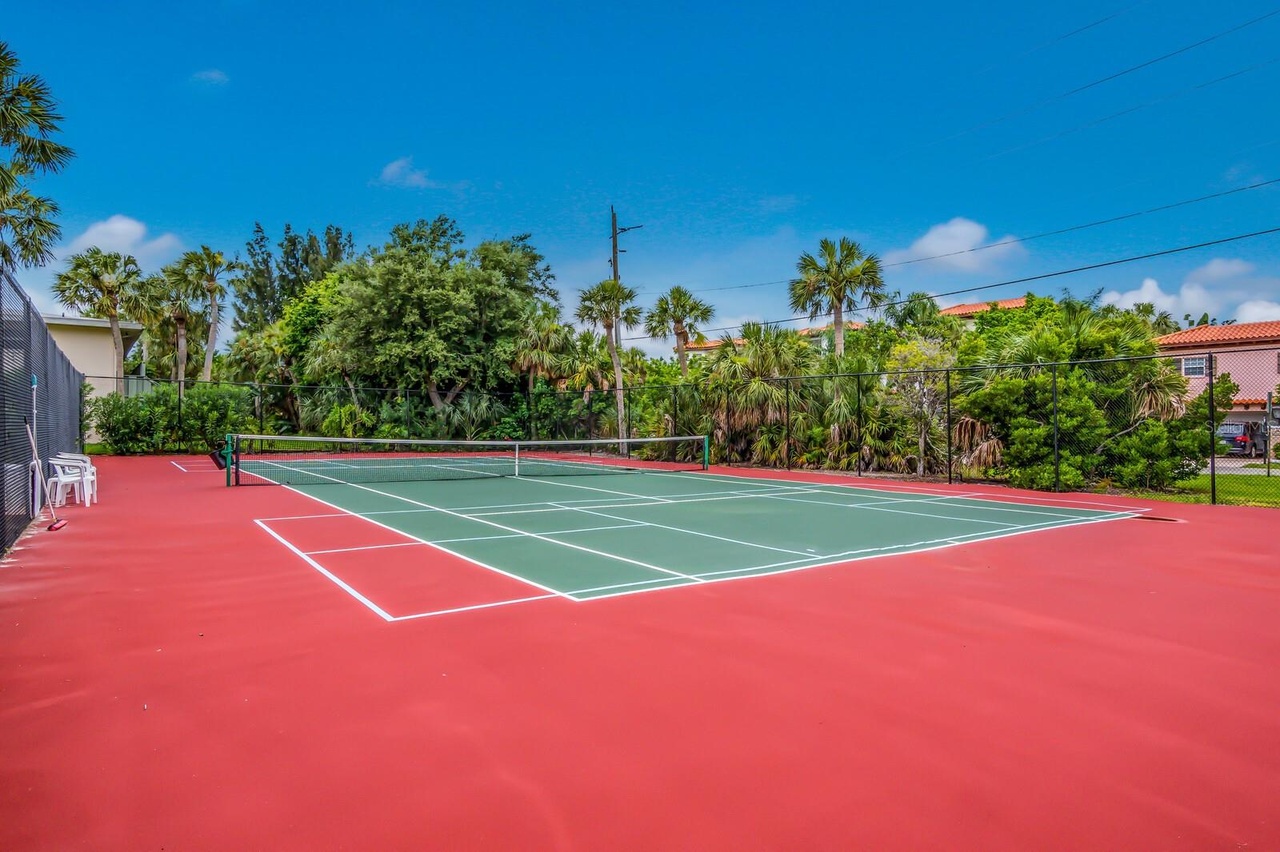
<point x="608" y="535"/>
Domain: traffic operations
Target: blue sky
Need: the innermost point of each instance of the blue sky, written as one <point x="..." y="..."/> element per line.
<point x="737" y="136"/>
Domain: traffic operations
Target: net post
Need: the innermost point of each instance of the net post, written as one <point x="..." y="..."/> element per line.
<point x="706" y="452"/>
<point x="517" y="458"/>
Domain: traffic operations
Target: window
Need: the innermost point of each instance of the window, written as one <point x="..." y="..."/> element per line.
<point x="1193" y="366"/>
<point x="1278" y="362"/>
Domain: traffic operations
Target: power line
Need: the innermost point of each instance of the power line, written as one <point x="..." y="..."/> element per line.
<point x="1077" y="31"/>
<point x="1031" y="278"/>
<point x="1130" y="110"/>
<point x="1015" y="240"/>
<point x="1130" y="70"/>
<point x="1069" y="230"/>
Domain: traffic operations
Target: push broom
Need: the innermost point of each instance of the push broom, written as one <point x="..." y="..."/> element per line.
<point x="58" y="523"/>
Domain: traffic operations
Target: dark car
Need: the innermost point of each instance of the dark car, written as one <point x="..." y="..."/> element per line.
<point x="1244" y="439"/>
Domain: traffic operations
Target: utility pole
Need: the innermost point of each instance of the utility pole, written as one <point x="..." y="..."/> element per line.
<point x="617" y="276"/>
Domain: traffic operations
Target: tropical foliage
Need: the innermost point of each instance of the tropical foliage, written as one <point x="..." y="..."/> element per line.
<point x="426" y="335"/>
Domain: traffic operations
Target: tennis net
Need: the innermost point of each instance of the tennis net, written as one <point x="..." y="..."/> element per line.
<point x="274" y="460"/>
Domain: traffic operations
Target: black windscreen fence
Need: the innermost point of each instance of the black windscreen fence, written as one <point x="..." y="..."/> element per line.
<point x="38" y="387"/>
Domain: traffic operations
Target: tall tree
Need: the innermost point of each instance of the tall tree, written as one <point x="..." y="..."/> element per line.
<point x="426" y="313"/>
<point x="840" y="278"/>
<point x="28" y="120"/>
<point x="207" y="268"/>
<point x="678" y="312"/>
<point x="609" y="305"/>
<point x="541" y="342"/>
<point x="176" y="293"/>
<point x="109" y="285"/>
<point x="267" y="280"/>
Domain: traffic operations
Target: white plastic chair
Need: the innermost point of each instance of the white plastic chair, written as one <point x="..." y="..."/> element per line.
<point x="89" y="473"/>
<point x="67" y="477"/>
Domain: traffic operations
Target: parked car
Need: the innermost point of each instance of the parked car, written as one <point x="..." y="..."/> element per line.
<point x="1245" y="439"/>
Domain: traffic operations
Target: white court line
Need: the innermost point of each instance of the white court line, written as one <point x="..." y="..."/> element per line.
<point x="552" y="532"/>
<point x="473" y="538"/>
<point x="789" y="567"/>
<point x="179" y="467"/>
<point x="875" y="507"/>
<point x="887" y="488"/>
<point x="457" y="609"/>
<point x="497" y="525"/>
<point x="693" y="532"/>
<point x="673" y="501"/>
<point x="473" y="561"/>
<point x="383" y="614"/>
<point x="365" y="547"/>
<point x="608" y="501"/>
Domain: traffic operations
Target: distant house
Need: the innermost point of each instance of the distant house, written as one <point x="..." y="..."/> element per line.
<point x="966" y="313"/>
<point x="87" y="344"/>
<point x="710" y="344"/>
<point x="1249" y="351"/>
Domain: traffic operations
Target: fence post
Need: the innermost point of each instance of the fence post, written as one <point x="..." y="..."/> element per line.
<point x="728" y="432"/>
<point x="949" y="450"/>
<point x="258" y="408"/>
<point x="857" y="424"/>
<point x="786" y="431"/>
<point x="626" y="403"/>
<point x="675" y="410"/>
<point x="1213" y="436"/>
<point x="1057" y="467"/>
<point x="1266" y="427"/>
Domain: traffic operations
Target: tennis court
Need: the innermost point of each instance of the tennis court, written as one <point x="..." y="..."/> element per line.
<point x="640" y="654"/>
<point x="617" y="534"/>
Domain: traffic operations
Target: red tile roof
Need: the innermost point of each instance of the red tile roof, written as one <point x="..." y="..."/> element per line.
<point x="712" y="343"/>
<point x="1201" y="335"/>
<point x="966" y="311"/>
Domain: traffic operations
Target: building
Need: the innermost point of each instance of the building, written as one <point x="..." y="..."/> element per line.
<point x="1249" y="352"/>
<point x="87" y="344"/>
<point x="711" y="344"/>
<point x="966" y="313"/>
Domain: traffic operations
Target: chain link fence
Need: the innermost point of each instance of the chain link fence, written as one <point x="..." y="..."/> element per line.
<point x="38" y="387"/>
<point x="1197" y="426"/>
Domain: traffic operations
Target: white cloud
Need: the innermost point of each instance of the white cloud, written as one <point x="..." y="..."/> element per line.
<point x="1257" y="310"/>
<point x="118" y="233"/>
<point x="402" y="173"/>
<point x="1220" y="269"/>
<point x="952" y="244"/>
<point x="211" y="77"/>
<point x="127" y="235"/>
<point x="1191" y="298"/>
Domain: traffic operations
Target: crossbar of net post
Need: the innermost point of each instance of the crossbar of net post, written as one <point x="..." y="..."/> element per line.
<point x="296" y="460"/>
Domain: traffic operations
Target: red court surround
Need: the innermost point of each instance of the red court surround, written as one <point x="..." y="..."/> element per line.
<point x="171" y="677"/>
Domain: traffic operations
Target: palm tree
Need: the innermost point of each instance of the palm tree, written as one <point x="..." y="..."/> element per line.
<point x="105" y="284"/>
<point x="27" y="121"/>
<point x="840" y="278"/>
<point x="678" y="312"/>
<point x="208" y="267"/>
<point x="176" y="293"/>
<point x="749" y="398"/>
<point x="541" y="342"/>
<point x="609" y="305"/>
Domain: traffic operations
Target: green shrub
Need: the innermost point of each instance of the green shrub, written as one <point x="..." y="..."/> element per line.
<point x="156" y="422"/>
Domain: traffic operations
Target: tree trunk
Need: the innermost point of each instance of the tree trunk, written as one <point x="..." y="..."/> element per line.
<point x="837" y="316"/>
<point x="682" y="340"/>
<point x="924" y="434"/>
<point x="118" y="342"/>
<point x="619" y="394"/>
<point x="207" y="373"/>
<point x="180" y="357"/>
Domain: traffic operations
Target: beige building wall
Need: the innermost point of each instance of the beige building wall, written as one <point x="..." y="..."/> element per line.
<point x="87" y="344"/>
